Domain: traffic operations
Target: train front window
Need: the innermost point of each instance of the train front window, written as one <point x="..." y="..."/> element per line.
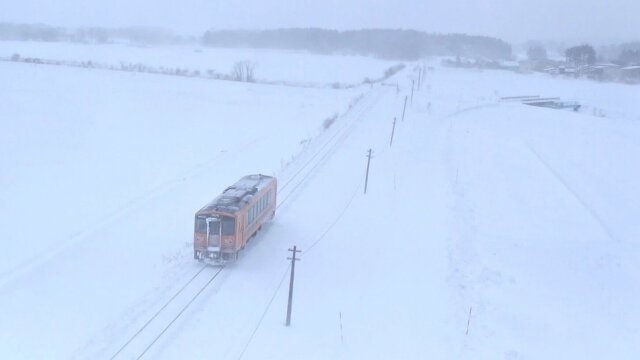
<point x="201" y="225"/>
<point x="228" y="226"/>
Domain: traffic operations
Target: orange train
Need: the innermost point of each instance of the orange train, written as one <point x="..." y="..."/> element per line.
<point x="225" y="225"/>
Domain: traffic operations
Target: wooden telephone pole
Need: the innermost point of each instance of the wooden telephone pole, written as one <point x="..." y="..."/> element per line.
<point x="405" y="106"/>
<point x="393" y="130"/>
<point x="413" y="84"/>
<point x="366" y="179"/>
<point x="293" y="269"/>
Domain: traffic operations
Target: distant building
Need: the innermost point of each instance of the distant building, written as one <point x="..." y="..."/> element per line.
<point x="526" y="66"/>
<point x="509" y="65"/>
<point x="602" y="72"/>
<point x="568" y="70"/>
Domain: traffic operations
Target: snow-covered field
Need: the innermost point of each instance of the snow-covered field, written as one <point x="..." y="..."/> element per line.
<point x="524" y="218"/>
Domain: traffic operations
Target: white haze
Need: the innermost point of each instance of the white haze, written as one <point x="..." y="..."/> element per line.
<point x="568" y="20"/>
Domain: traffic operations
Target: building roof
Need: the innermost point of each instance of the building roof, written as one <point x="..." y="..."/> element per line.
<point x="238" y="194"/>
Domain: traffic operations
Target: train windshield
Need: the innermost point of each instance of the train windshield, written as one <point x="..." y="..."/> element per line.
<point x="228" y="226"/>
<point x="201" y="224"/>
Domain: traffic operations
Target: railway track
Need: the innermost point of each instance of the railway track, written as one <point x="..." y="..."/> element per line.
<point x="323" y="152"/>
<point x="148" y="334"/>
<point x="139" y="343"/>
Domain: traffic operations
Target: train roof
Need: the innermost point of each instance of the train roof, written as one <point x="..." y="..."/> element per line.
<point x="238" y="194"/>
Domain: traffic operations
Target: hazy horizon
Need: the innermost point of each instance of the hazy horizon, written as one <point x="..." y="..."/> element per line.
<point x="570" y="21"/>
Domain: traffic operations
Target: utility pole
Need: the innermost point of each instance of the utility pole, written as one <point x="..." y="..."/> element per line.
<point x="413" y="83"/>
<point x="393" y="129"/>
<point x="366" y="179"/>
<point x="419" y="77"/>
<point x="405" y="107"/>
<point x="293" y="269"/>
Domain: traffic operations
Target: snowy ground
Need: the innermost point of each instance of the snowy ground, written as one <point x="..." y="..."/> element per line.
<point x="523" y="217"/>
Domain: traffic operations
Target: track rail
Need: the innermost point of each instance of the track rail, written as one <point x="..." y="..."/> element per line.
<point x="169" y="312"/>
<point x="324" y="151"/>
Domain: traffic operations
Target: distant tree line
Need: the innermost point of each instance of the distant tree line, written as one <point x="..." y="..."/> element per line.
<point x="581" y="55"/>
<point x="629" y="57"/>
<point x="388" y="44"/>
<point x="624" y="54"/>
<point x="35" y="32"/>
<point x="39" y="32"/>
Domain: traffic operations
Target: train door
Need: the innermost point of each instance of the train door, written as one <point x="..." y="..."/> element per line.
<point x="214" y="234"/>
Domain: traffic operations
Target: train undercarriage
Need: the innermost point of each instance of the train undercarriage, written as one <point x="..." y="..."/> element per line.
<point x="215" y="256"/>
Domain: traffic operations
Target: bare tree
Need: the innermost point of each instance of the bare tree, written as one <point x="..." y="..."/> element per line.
<point x="249" y="73"/>
<point x="243" y="71"/>
<point x="581" y="55"/>
<point x="237" y="73"/>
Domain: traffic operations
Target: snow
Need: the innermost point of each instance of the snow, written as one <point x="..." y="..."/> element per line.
<point x="524" y="218"/>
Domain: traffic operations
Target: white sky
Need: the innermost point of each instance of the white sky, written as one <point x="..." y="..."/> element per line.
<point x="512" y="20"/>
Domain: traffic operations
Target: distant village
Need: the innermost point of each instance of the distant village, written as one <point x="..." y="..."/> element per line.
<point x="578" y="62"/>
